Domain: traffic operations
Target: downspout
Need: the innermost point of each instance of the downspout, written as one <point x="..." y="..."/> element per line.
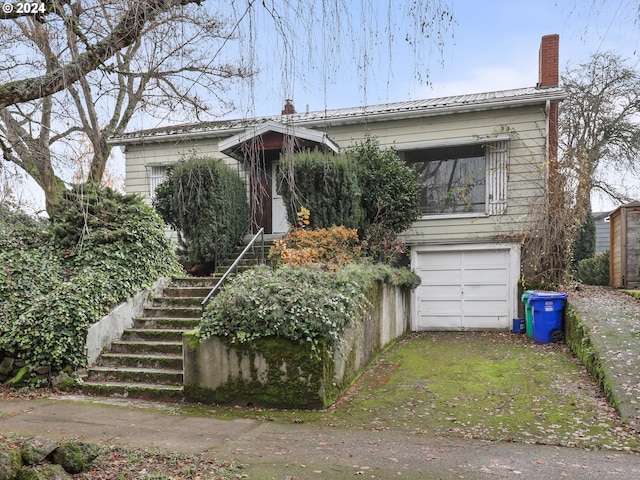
<point x="547" y="146"/>
<point x="547" y="116"/>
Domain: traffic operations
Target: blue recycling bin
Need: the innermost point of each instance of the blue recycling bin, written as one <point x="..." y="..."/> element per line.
<point x="547" y="309"/>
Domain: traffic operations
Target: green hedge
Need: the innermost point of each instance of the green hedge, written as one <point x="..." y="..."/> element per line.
<point x="205" y="201"/>
<point x="594" y="271"/>
<point x="326" y="184"/>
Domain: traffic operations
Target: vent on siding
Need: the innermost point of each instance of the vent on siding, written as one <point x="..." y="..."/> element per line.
<point x="497" y="154"/>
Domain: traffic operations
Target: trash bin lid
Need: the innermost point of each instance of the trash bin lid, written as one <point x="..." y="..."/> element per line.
<point x="546" y="296"/>
<point x="526" y="295"/>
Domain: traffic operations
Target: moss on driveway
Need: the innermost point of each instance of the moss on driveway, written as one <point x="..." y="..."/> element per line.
<point x="494" y="386"/>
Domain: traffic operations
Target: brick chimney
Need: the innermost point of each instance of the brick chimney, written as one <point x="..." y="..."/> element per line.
<point x="549" y="61"/>
<point x="549" y="78"/>
<point x="289" y="109"/>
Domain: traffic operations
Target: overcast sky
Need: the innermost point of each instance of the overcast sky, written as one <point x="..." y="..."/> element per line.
<point x="493" y="45"/>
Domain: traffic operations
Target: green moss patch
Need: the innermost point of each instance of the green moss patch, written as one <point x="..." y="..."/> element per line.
<point x="291" y="376"/>
<point x="493" y="386"/>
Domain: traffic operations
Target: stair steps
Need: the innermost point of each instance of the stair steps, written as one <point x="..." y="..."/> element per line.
<point x="147" y="361"/>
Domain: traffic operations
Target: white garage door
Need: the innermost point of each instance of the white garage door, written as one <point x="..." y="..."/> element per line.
<point x="470" y="288"/>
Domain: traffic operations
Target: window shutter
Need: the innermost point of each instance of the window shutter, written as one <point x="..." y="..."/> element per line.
<point x="156" y="177"/>
<point x="497" y="154"/>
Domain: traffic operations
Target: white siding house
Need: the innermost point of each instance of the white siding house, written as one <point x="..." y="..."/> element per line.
<point x="483" y="159"/>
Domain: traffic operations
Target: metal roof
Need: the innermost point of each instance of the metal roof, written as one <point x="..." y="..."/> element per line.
<point x="353" y="115"/>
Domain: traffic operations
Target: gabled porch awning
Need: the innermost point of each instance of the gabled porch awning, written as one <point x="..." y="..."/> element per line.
<point x="272" y="135"/>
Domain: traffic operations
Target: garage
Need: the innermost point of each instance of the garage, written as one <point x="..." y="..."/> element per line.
<point x="470" y="287"/>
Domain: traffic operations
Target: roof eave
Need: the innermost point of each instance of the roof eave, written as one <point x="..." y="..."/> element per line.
<point x="437" y="110"/>
<point x="539" y="97"/>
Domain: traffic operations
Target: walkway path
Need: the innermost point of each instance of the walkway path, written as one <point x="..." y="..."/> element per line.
<point x="298" y="451"/>
<point x="613" y="321"/>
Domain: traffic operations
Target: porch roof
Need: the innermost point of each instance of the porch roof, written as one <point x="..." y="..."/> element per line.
<point x="237" y="145"/>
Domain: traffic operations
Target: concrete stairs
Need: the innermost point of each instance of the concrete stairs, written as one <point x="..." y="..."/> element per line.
<point x="147" y="362"/>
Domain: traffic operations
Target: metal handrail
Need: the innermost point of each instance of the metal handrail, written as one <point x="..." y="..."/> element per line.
<point x="234" y="265"/>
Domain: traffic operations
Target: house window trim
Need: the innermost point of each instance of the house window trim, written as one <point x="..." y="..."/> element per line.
<point x="149" y="171"/>
<point x="492" y="208"/>
<point x="451" y="142"/>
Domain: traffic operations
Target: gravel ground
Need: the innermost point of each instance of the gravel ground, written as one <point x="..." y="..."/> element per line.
<point x="613" y="320"/>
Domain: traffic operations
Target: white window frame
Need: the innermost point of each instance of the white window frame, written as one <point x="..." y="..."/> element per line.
<point x="156" y="174"/>
<point x="497" y="161"/>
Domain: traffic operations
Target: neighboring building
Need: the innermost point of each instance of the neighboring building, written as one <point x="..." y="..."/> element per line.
<point x="601" y="219"/>
<point x="625" y="250"/>
<point x="483" y="159"/>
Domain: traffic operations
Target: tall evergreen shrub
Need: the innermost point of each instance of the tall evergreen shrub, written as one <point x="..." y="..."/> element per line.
<point x="205" y="201"/>
<point x="585" y="244"/>
<point x="326" y="184"/>
<point x="390" y="188"/>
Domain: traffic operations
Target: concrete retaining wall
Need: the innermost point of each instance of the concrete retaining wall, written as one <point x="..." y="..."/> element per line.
<point x="111" y="326"/>
<point x="281" y="373"/>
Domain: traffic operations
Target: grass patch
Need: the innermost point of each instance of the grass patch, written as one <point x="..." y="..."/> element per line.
<point x="633" y="293"/>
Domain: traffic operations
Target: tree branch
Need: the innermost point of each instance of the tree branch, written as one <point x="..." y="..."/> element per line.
<point x="124" y="34"/>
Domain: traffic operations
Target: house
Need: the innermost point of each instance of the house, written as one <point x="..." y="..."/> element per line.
<point x="625" y="249"/>
<point x="601" y="220"/>
<point x="483" y="159"/>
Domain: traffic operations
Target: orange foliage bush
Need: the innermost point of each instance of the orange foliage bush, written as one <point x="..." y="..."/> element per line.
<point x="333" y="248"/>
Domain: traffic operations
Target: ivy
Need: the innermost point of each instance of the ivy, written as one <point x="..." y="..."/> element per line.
<point x="101" y="248"/>
<point x="304" y="304"/>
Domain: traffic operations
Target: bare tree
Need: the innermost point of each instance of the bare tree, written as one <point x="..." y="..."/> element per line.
<point x="82" y="69"/>
<point x="599" y="127"/>
<point x="157" y="73"/>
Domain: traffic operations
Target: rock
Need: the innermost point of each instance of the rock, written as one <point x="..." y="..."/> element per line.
<point x="10" y="463"/>
<point x="35" y="450"/>
<point x="75" y="457"/>
<point x="43" y="472"/>
<point x="43" y="369"/>
<point x="63" y="382"/>
<point x="6" y="365"/>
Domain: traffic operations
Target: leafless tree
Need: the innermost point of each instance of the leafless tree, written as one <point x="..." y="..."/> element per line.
<point x="165" y="69"/>
<point x="599" y="127"/>
<point x="82" y="69"/>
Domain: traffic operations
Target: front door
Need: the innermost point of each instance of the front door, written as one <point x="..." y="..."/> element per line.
<point x="279" y="222"/>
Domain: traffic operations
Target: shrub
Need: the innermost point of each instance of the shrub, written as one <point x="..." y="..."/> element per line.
<point x="333" y="248"/>
<point x="205" y="201"/>
<point x="594" y="271"/>
<point x="367" y="188"/>
<point x="325" y="184"/>
<point x="301" y="304"/>
<point x="390" y="196"/>
<point x="102" y="248"/>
